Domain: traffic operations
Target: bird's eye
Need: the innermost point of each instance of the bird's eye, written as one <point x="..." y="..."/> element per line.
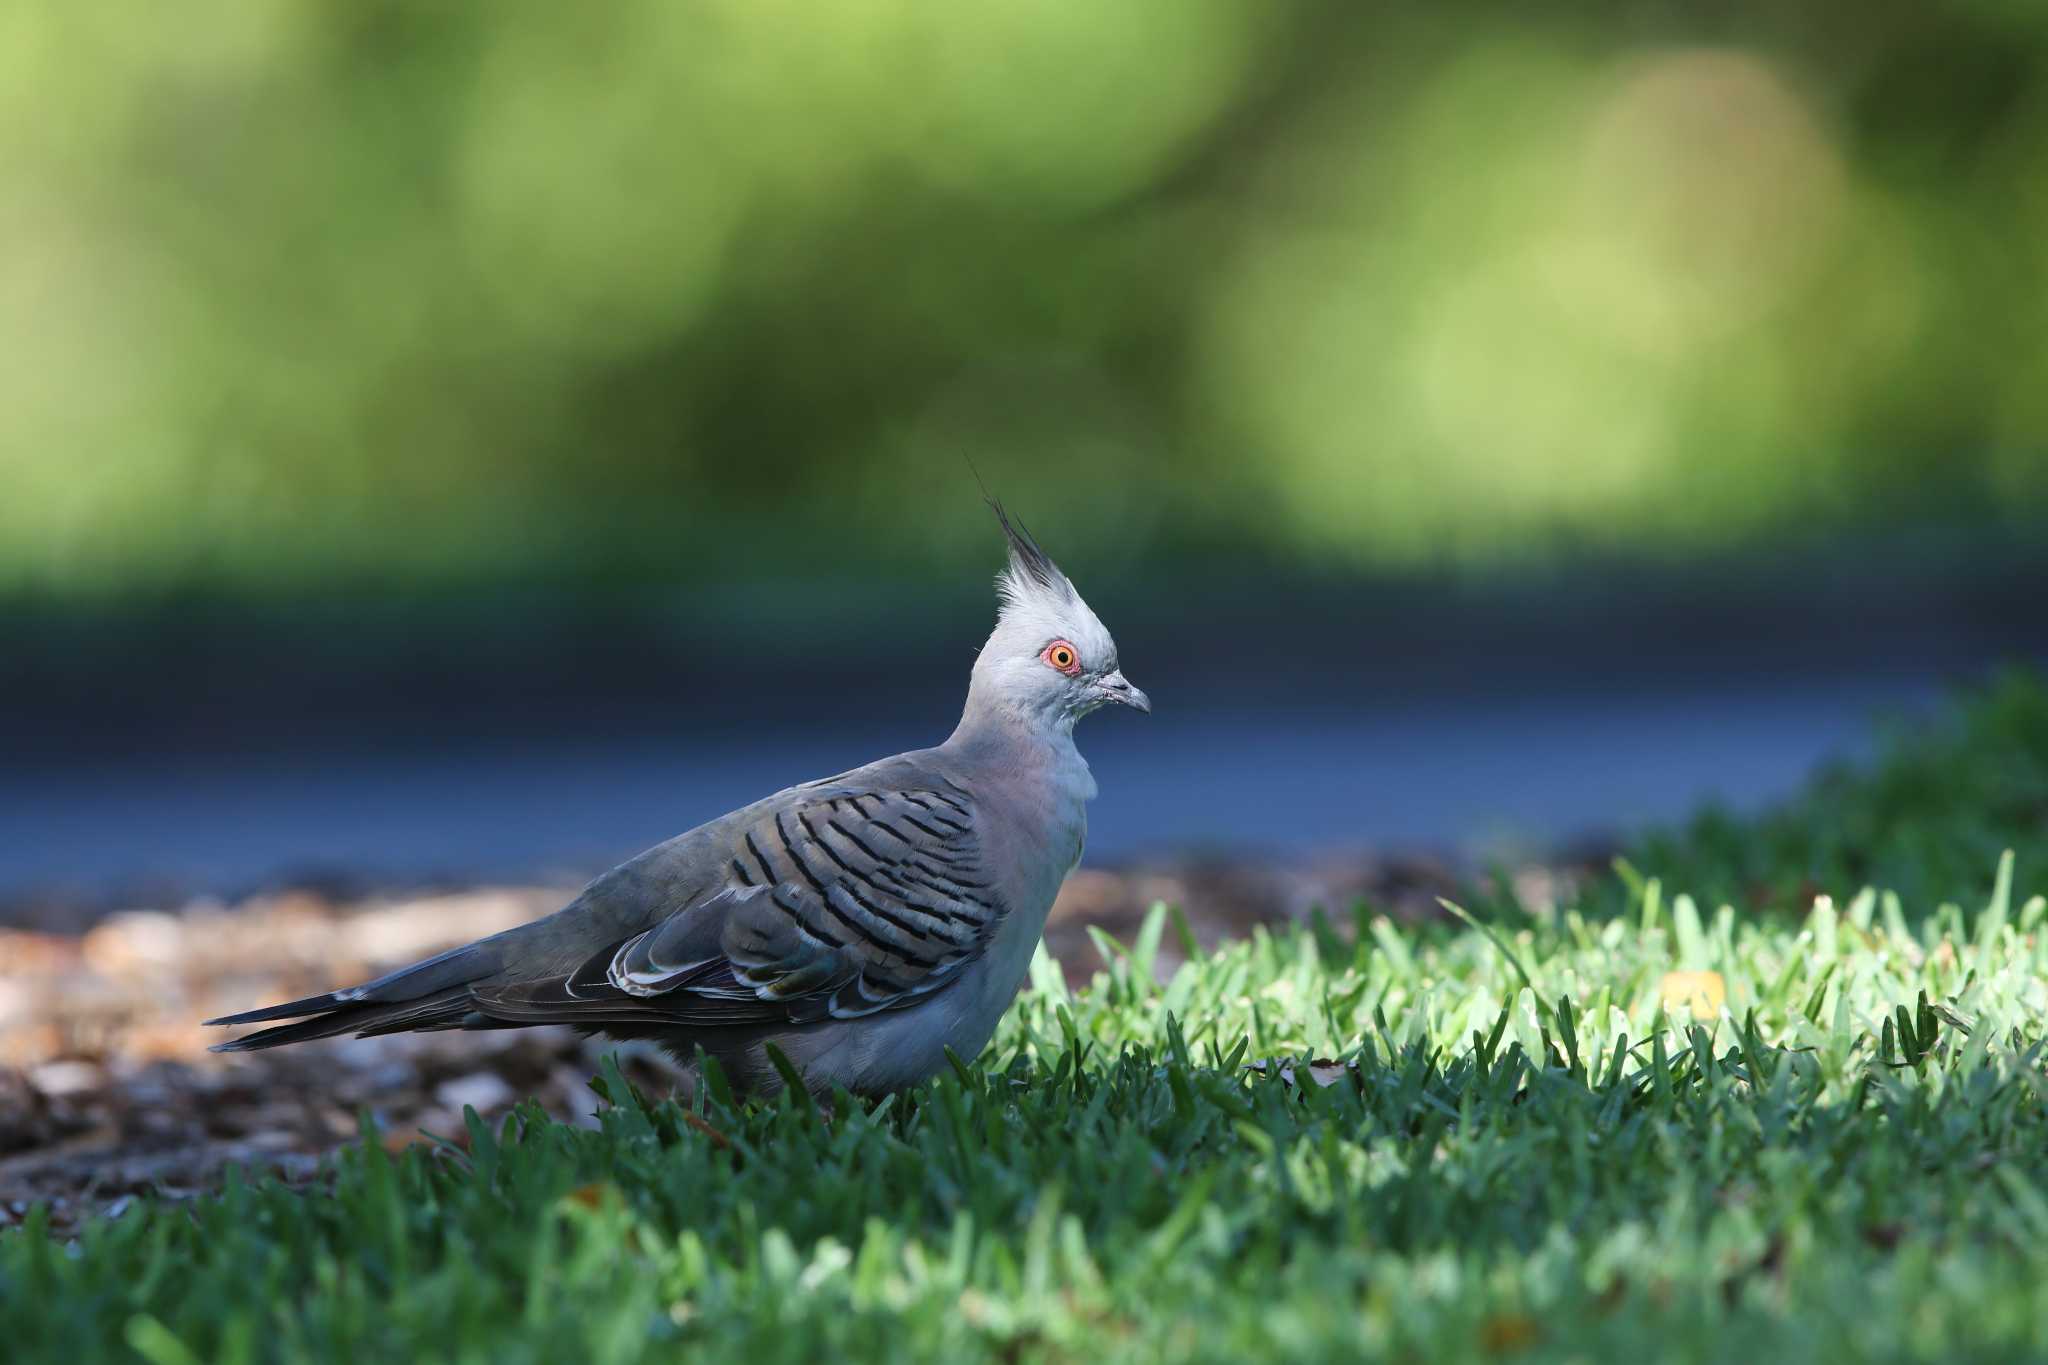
<point x="1062" y="656"/>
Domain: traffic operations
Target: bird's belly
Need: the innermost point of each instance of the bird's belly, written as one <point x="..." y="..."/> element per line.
<point x="912" y="1047"/>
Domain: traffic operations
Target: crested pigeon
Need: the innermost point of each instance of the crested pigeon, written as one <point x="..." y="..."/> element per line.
<point x="863" y="924"/>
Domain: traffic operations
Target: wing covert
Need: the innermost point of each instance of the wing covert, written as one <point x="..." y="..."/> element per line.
<point x="837" y="903"/>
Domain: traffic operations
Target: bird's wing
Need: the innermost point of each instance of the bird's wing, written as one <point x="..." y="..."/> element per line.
<point x="840" y="901"/>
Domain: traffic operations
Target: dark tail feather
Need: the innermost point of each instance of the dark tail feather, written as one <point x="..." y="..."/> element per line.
<point x="446" y="1010"/>
<point x="426" y="995"/>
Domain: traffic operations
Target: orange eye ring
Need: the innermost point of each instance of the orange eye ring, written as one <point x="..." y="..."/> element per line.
<point x="1062" y="657"/>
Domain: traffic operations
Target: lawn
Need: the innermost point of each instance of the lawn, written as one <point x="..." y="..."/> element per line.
<point x="1808" y="1124"/>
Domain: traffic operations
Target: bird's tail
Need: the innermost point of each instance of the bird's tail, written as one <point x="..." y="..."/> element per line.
<point x="434" y="994"/>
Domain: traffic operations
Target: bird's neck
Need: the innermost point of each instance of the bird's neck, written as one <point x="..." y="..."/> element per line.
<point x="1039" y="772"/>
<point x="1006" y="729"/>
<point x="1010" y="737"/>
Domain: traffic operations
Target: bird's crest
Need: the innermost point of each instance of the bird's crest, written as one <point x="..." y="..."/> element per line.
<point x="1030" y="574"/>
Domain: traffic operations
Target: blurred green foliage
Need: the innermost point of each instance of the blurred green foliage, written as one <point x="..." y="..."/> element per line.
<point x="296" y="293"/>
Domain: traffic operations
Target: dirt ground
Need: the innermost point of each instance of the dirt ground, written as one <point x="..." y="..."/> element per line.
<point x="107" y="1090"/>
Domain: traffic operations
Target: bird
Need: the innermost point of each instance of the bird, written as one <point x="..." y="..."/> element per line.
<point x="864" y="925"/>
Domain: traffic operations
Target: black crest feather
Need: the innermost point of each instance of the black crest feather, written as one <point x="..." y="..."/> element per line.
<point x="1027" y="561"/>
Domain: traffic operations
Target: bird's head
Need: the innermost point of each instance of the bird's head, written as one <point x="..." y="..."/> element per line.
<point x="1050" y="660"/>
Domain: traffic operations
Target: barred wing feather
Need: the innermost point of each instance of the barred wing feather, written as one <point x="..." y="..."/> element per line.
<point x="836" y="903"/>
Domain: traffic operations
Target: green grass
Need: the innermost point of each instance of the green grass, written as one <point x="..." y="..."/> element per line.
<point x="1526" y="1156"/>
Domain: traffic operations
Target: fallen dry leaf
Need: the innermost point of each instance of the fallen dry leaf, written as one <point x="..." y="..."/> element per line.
<point x="1508" y="1333"/>
<point x="1703" y="993"/>
<point x="593" y="1196"/>
<point x="718" y="1139"/>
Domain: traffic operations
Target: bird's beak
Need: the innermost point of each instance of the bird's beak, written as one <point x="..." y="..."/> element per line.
<point x="1117" y="688"/>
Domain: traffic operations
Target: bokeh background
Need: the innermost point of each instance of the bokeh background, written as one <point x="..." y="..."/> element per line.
<point x="467" y="440"/>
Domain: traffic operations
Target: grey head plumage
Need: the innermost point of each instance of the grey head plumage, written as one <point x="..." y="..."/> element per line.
<point x="864" y="924"/>
<point x="1050" y="659"/>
